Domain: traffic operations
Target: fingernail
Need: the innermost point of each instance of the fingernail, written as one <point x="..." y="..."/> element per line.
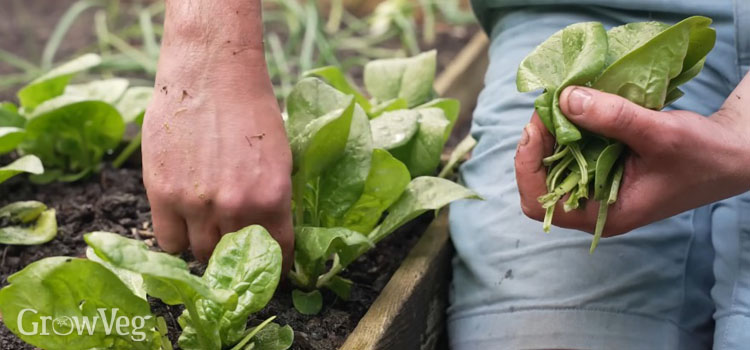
<point x="525" y="136"/>
<point x="578" y="101"/>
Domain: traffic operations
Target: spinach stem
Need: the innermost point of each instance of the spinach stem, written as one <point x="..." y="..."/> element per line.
<point x="601" y="219"/>
<point x="557" y="156"/>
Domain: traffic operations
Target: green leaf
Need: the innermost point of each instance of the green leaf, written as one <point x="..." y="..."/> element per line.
<point x="622" y="39"/>
<point x="26" y="164"/>
<point x="451" y="108"/>
<point x="134" y="102"/>
<point x="107" y="90"/>
<point x="342" y="287"/>
<point x="249" y="263"/>
<point x="313" y="246"/>
<point x="10" y="138"/>
<point x="342" y="184"/>
<point x="9" y="115"/>
<point x="387" y="106"/>
<point x="462" y="149"/>
<point x="167" y="278"/>
<point x="422" y="194"/>
<point x="407" y="78"/>
<point x="394" y="129"/>
<point x="20" y="215"/>
<point x="134" y="255"/>
<point x="574" y="55"/>
<point x="307" y="303"/>
<point x="334" y="76"/>
<point x="310" y="99"/>
<point x="386" y="181"/>
<point x="643" y="74"/>
<point x="74" y="137"/>
<point x="53" y="83"/>
<point x="322" y="142"/>
<point x="133" y="280"/>
<point x="273" y="337"/>
<point x="69" y="289"/>
<point x="421" y="154"/>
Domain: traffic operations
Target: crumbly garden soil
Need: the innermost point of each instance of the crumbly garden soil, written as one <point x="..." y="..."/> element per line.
<point x="115" y="201"/>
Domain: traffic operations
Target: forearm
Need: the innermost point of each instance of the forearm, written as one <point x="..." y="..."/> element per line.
<point x="215" y="45"/>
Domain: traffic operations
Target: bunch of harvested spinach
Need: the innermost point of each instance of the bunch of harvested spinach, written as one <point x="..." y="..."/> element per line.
<point x="644" y="62"/>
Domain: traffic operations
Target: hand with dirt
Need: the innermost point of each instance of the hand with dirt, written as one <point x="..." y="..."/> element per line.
<point x="678" y="160"/>
<point x="215" y="153"/>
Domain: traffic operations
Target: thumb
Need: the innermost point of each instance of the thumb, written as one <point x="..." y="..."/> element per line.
<point x="613" y="116"/>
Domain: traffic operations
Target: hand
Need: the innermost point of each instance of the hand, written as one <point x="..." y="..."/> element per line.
<point x="215" y="153"/>
<point x="678" y="160"/>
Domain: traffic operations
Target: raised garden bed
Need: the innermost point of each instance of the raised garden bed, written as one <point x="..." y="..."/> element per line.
<point x="411" y="304"/>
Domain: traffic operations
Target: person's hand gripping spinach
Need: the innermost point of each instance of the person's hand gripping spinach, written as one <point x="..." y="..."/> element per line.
<point x="677" y="160"/>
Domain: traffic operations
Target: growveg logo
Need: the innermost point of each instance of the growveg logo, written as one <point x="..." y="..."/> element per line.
<point x="111" y="323"/>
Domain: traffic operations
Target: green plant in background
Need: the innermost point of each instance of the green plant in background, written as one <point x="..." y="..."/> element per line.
<point x="70" y="127"/>
<point x="356" y="159"/>
<point x="644" y="62"/>
<point x="241" y="277"/>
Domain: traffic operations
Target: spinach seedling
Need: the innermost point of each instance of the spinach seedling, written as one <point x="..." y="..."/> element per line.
<point x="240" y="279"/>
<point x="644" y="62"/>
<point x="360" y="165"/>
<point x="70" y="127"/>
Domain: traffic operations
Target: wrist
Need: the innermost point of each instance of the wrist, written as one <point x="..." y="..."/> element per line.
<point x="213" y="40"/>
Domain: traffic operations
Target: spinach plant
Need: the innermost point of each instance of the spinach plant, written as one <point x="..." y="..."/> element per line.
<point x="644" y="62"/>
<point x="70" y="127"/>
<point x="356" y="159"/>
<point x="240" y="279"/>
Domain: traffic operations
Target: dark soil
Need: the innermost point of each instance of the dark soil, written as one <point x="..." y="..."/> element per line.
<point x="115" y="201"/>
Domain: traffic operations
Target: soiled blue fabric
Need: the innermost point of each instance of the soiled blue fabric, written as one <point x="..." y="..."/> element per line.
<point x="682" y="283"/>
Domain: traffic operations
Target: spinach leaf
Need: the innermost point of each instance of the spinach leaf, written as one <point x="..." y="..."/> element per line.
<point x="249" y="263"/>
<point x="107" y="90"/>
<point x="407" y="78"/>
<point x="422" y="194"/>
<point x="307" y="303"/>
<point x="53" y="83"/>
<point x="643" y="74"/>
<point x="132" y="280"/>
<point x="23" y="214"/>
<point x="343" y="183"/>
<point x="310" y="99"/>
<point x="73" y="138"/>
<point x="421" y="154"/>
<point x="273" y="337"/>
<point x="9" y="115"/>
<point x="386" y="181"/>
<point x="26" y="164"/>
<point x="132" y="105"/>
<point x="394" y="129"/>
<point x="168" y="279"/>
<point x="574" y="55"/>
<point x="10" y="138"/>
<point x="69" y="289"/>
<point x="335" y="77"/>
<point x="451" y="108"/>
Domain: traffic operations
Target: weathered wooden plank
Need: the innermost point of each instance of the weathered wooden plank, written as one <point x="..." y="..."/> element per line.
<point x="410" y="311"/>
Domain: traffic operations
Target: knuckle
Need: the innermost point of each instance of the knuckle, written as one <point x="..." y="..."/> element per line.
<point x="274" y="196"/>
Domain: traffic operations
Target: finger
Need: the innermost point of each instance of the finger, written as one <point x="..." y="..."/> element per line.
<point x="530" y="172"/>
<point x="169" y="228"/>
<point x="614" y="116"/>
<point x="548" y="140"/>
<point x="204" y="236"/>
